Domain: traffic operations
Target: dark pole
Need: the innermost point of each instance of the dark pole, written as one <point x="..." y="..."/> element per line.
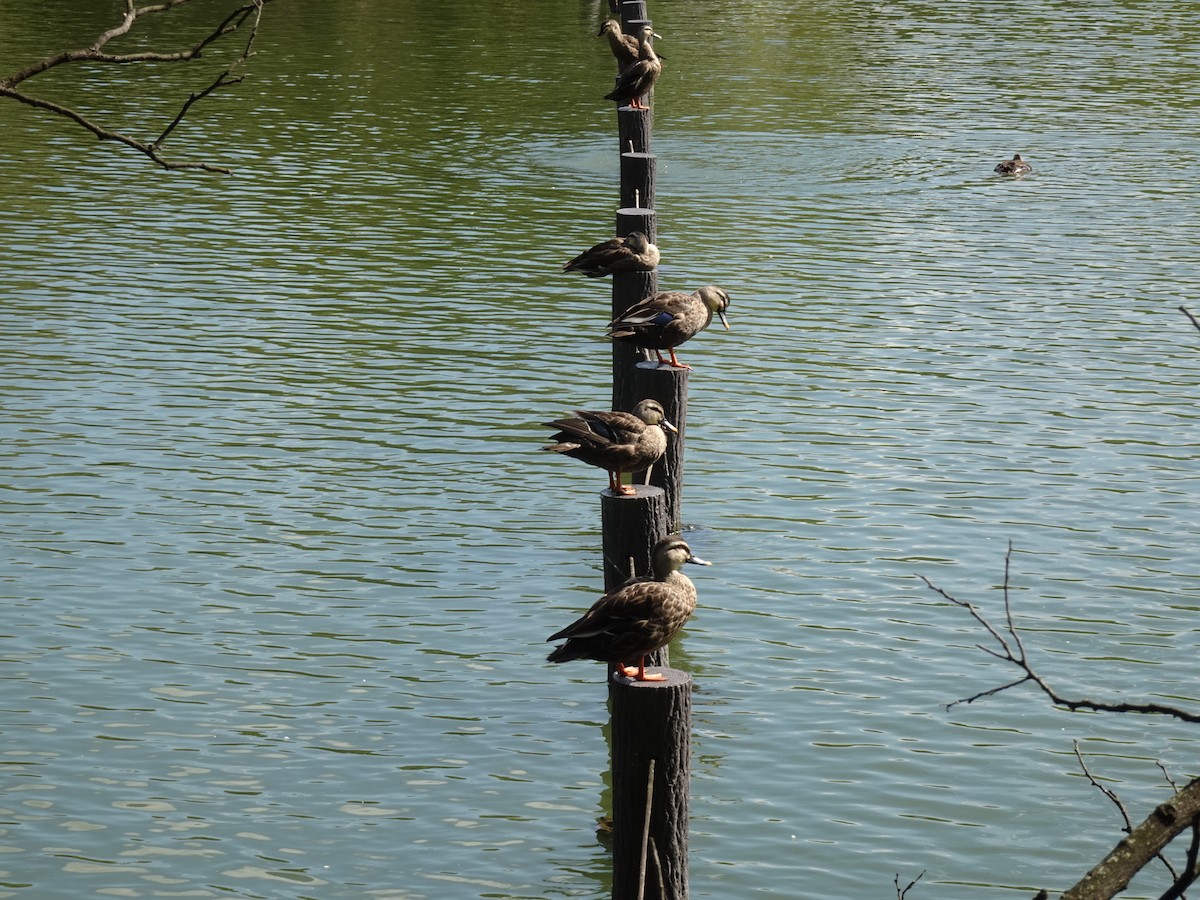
<point x="629" y="288"/>
<point x="669" y="386"/>
<point x="651" y="720"/>
<point x="633" y="12"/>
<point x="637" y="181"/>
<point x="633" y="130"/>
<point x="634" y="377"/>
<point x="631" y="527"/>
<point x="651" y="755"/>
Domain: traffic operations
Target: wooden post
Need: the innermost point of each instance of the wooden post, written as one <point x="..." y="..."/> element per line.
<point x="635" y="378"/>
<point x="638" y="172"/>
<point x="633" y="11"/>
<point x="629" y="288"/>
<point x="651" y="763"/>
<point x="637" y="218"/>
<point x="669" y="386"/>
<point x="633" y="130"/>
<point x="651" y="720"/>
<point x="631" y="527"/>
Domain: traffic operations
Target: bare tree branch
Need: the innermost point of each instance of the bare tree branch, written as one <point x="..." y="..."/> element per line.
<point x="1107" y="792"/>
<point x="132" y="14"/>
<point x="1116" y="801"/>
<point x="1167" y="776"/>
<point x="1144" y="841"/>
<point x="249" y="15"/>
<point x="1013" y="651"/>
<point x="1184" y="881"/>
<point x="1184" y="310"/>
<point x="1113" y="874"/>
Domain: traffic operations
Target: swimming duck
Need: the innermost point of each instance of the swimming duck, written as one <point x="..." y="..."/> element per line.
<point x="632" y="253"/>
<point x="1014" y="166"/>
<point x="669" y="318"/>
<point x="615" y="441"/>
<point x="639" y="617"/>
<point x="637" y="78"/>
<point x="624" y="46"/>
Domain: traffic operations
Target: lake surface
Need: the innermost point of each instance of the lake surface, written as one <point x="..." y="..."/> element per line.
<point x="282" y="552"/>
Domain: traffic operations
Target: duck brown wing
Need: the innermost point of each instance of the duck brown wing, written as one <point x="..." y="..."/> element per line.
<point x="621" y="427"/>
<point x="617" y="612"/>
<point x="595" y="261"/>
<point x="664" y="303"/>
<point x="643" y="321"/>
<point x="634" y="80"/>
<point x="628" y="54"/>
<point x="599" y="428"/>
<point x="596" y="622"/>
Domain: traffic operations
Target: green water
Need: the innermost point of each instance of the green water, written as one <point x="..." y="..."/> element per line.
<point x="282" y="553"/>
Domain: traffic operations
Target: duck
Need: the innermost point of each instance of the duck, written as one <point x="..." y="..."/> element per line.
<point x="638" y="78"/>
<point x="624" y="46"/>
<point x="667" y="319"/>
<point x="1014" y="166"/>
<point x="637" y="618"/>
<point x="632" y="253"/>
<point x="614" y="441"/>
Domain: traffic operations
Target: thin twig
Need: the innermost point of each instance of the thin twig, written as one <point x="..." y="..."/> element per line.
<point x="1106" y="791"/>
<point x="232" y="23"/>
<point x="1012" y="650"/>
<point x="658" y="871"/>
<point x="1167" y="776"/>
<point x="646" y="831"/>
<point x="900" y="893"/>
<point x="1184" y="310"/>
<point x="1184" y="881"/>
<point x="1193" y="870"/>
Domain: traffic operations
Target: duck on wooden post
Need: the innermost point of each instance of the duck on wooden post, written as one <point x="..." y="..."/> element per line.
<point x="624" y="46"/>
<point x="641" y="616"/>
<point x="629" y="288"/>
<point x="638" y="78"/>
<point x="632" y="253"/>
<point x="617" y="442"/>
<point x="1014" y="166"/>
<point x="670" y="318"/>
